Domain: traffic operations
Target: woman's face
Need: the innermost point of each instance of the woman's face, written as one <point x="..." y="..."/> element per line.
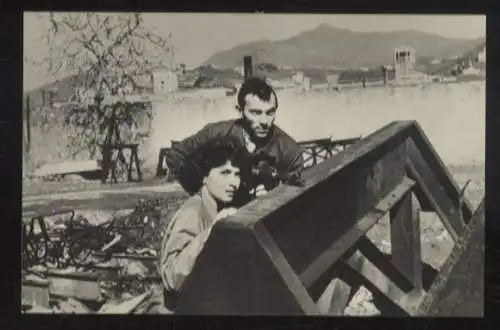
<point x="222" y="182"/>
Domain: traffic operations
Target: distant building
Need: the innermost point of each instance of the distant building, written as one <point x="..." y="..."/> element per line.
<point x="306" y="85"/>
<point x="481" y="57"/>
<point x="404" y="61"/>
<point x="333" y="79"/>
<point x="240" y="70"/>
<point x="298" y="77"/>
<point x="471" y="71"/>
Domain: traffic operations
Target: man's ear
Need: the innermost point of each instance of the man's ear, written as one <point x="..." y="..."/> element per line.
<point x="204" y="181"/>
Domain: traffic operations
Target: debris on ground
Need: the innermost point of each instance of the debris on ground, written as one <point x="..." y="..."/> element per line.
<point x="108" y="267"/>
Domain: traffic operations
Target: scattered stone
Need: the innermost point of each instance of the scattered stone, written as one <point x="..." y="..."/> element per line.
<point x="362" y="304"/>
<point x="125" y="307"/>
<point x="135" y="268"/>
<point x="72" y="306"/>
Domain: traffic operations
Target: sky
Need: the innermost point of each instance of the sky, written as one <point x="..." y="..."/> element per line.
<point x="198" y="36"/>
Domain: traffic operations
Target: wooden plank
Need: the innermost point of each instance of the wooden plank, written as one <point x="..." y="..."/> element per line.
<point x="459" y="287"/>
<point x="126" y="307"/>
<point x="405" y="239"/>
<point x="382" y="261"/>
<point x="83" y="286"/>
<point x="29" y="217"/>
<point x="130" y="165"/>
<point x="235" y="275"/>
<point x="160" y="171"/>
<point x="398" y="302"/>
<point x="35" y="292"/>
<point x="432" y="198"/>
<point x="128" y="256"/>
<point x="350" y="237"/>
<point x="138" y="165"/>
<point x="335" y="298"/>
<point x="441" y="173"/>
<point x="68" y="167"/>
<point x="304" y="233"/>
<point x="102" y="201"/>
<point x="290" y="278"/>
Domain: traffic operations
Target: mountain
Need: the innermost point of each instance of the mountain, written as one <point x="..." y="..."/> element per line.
<point x="327" y="46"/>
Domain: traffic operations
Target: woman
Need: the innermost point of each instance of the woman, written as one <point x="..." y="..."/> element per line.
<point x="213" y="179"/>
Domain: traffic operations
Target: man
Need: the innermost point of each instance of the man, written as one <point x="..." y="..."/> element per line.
<point x="257" y="104"/>
<point x="213" y="179"/>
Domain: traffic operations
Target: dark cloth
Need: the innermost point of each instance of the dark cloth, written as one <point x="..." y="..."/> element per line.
<point x="287" y="153"/>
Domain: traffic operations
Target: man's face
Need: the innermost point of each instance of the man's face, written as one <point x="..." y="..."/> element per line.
<point x="259" y="114"/>
<point x="222" y="182"/>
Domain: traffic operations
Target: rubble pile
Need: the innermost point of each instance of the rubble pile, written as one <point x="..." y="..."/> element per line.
<point x="74" y="266"/>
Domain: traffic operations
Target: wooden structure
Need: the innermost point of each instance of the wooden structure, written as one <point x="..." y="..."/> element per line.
<point x="111" y="159"/>
<point x="314" y="152"/>
<point x="110" y="164"/>
<point x="462" y="274"/>
<point x="279" y="253"/>
<point x="299" y="250"/>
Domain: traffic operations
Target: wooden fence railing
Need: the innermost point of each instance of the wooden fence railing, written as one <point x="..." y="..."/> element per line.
<point x="293" y="250"/>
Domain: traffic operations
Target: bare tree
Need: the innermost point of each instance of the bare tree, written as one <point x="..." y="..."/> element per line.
<point x="109" y="56"/>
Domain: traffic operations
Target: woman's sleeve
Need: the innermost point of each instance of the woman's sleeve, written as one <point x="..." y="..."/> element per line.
<point x="180" y="248"/>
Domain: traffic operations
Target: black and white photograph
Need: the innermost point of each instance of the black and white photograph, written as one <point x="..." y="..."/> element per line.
<point x="253" y="164"/>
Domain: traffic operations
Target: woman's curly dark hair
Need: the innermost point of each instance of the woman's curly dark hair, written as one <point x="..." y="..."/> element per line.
<point x="215" y="153"/>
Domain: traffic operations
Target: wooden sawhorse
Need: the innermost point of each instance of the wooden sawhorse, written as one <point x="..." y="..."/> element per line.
<point x="109" y="164"/>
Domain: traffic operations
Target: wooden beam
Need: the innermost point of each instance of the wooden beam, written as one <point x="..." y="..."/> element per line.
<point x="35" y="291"/>
<point x="440" y="171"/>
<point x="138" y="164"/>
<point x="335" y="298"/>
<point x="397" y="302"/>
<point x="291" y="279"/>
<point x="432" y="198"/>
<point x="384" y="263"/>
<point x="314" y="156"/>
<point x="350" y="237"/>
<point x="80" y="286"/>
<point x="458" y="289"/>
<point x="109" y="200"/>
<point x="235" y="275"/>
<point x="333" y="207"/>
<point x="405" y="239"/>
<point x="160" y="171"/>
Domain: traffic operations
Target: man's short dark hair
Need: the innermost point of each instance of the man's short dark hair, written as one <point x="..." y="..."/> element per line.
<point x="255" y="86"/>
<point x="213" y="154"/>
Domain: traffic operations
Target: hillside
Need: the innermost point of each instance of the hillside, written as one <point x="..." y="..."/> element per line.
<point x="327" y="46"/>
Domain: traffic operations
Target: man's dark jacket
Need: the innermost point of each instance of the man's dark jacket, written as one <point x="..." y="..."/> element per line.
<point x="285" y="150"/>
